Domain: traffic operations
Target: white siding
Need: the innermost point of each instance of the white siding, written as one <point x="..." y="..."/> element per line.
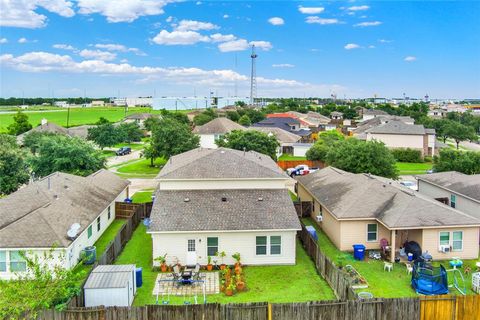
<point x="398" y="140"/>
<point x="301" y="150"/>
<point x="208" y="141"/>
<point x="175" y="246"/>
<point x="58" y="259"/>
<point x="107" y="297"/>
<point x="222" y="184"/>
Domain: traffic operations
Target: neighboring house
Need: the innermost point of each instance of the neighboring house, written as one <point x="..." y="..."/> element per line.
<point x="35" y="219"/>
<point x="139" y="118"/>
<point x="79" y="131"/>
<point x="62" y="104"/>
<point x="45" y="126"/>
<point x="398" y="134"/>
<point x="364" y="209"/>
<point x="286" y="139"/>
<point x="98" y="103"/>
<point x="213" y="130"/>
<point x="455" y="189"/>
<point x="368" y="114"/>
<point x="212" y="200"/>
<point x="335" y="115"/>
<point x="437" y="113"/>
<point x="192" y="114"/>
<point x="289" y="124"/>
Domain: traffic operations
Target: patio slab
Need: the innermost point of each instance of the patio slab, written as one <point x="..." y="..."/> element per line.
<point x="212" y="285"/>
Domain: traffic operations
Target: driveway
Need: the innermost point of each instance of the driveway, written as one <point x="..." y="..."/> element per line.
<point x="138" y="184"/>
<point x="470" y="146"/>
<point x="112" y="161"/>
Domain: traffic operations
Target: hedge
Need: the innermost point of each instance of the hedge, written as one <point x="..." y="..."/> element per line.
<point x="407" y="155"/>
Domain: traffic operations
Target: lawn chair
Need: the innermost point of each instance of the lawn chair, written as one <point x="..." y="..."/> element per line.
<point x="176" y="274"/>
<point x="196" y="272"/>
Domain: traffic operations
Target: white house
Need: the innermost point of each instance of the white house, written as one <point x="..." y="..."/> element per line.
<point x="211" y="131"/>
<point x="437" y="113"/>
<point x="212" y="200"/>
<point x="36" y="218"/>
<point x="139" y="118"/>
<point x="458" y="190"/>
<point x="368" y="114"/>
<point x="287" y="140"/>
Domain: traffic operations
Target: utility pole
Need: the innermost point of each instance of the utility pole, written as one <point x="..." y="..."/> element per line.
<point x="253" y="77"/>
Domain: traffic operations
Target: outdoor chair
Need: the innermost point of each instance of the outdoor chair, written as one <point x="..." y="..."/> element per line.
<point x="176" y="274"/>
<point x="388" y="266"/>
<point x="409" y="268"/>
<point x="196" y="272"/>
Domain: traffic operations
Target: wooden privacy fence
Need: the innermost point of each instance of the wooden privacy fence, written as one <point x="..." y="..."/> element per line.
<point x="285" y="164"/>
<point x="303" y="208"/>
<point x="450" y="307"/>
<point x="337" y="279"/>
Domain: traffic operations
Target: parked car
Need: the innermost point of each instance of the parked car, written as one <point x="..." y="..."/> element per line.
<point x="300" y="170"/>
<point x="123" y="151"/>
<point x="409" y="184"/>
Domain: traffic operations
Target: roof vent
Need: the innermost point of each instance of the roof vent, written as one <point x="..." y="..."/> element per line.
<point x="66" y="187"/>
<point x="224" y="199"/>
<point x="186" y="200"/>
<point x="222" y="151"/>
<point x="260" y="198"/>
<point x="55" y="196"/>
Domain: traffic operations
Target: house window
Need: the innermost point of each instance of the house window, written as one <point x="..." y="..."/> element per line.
<point x="275" y="245"/>
<point x="17" y="262"/>
<point x="3" y="261"/>
<point x="98" y="224"/>
<point x="191" y="245"/>
<point x="372" y="230"/>
<point x="457" y="242"/>
<point x="212" y="246"/>
<point x="453" y="201"/>
<point x="89" y="232"/>
<point x="109" y="214"/>
<point x="261" y="244"/>
<point x="444" y="238"/>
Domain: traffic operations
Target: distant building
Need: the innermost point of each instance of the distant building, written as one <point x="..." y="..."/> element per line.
<point x="335" y="115"/>
<point x="289" y="124"/>
<point x="368" y="114"/>
<point x="62" y="104"/>
<point x="437" y="113"/>
<point x="139" y="118"/>
<point x="98" y="103"/>
<point x="211" y="131"/>
<point x="186" y="103"/>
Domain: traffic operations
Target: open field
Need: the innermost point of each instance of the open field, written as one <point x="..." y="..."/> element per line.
<point x="408" y="168"/>
<point x="381" y="283"/>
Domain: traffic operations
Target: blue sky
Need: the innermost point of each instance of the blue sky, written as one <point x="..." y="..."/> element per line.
<point x="141" y="47"/>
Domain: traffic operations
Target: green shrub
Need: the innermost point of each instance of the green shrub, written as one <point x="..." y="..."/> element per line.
<point x="427" y="159"/>
<point x="407" y="155"/>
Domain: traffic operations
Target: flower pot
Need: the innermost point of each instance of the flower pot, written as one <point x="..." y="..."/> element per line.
<point x="240" y="286"/>
<point x="229" y="292"/>
<point x="238" y="270"/>
<point x="222" y="267"/>
<point x="163" y="268"/>
<point x="237" y="264"/>
<point x="209" y="267"/>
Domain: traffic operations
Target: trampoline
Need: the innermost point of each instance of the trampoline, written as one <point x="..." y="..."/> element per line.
<point x="429" y="280"/>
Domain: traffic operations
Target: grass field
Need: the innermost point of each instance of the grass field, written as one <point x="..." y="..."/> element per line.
<point x="141" y="168"/>
<point x="407" y="168"/>
<point x="142" y="196"/>
<point x="381" y="284"/>
<point x="289" y="157"/>
<point x="267" y="283"/>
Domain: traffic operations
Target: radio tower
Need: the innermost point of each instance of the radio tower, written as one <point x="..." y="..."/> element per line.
<point x="253" y="77"/>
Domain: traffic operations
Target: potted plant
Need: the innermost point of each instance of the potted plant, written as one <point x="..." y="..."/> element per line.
<point x="222" y="285"/>
<point x="240" y="283"/>
<point x="163" y="265"/>
<point x="209" y="264"/>
<point x="236" y="256"/>
<point x="221" y="255"/>
<point x="230" y="289"/>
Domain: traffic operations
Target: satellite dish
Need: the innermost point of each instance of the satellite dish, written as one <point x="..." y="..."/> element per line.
<point x="72" y="233"/>
<point x="75" y="226"/>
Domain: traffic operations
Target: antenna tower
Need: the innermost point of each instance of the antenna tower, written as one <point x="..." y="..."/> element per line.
<point x="253" y="77"/>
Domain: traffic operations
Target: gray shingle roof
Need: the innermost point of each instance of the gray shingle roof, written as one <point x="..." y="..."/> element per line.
<point x="141" y="116"/>
<point x="205" y="210"/>
<point x="468" y="185"/>
<point x="110" y="276"/>
<point x="282" y="136"/>
<point x="374" y="112"/>
<point x="360" y="196"/>
<point x="39" y="215"/>
<point x="218" y="126"/>
<point x="397" y="127"/>
<point x="367" y="124"/>
<point x="221" y="163"/>
<point x="47" y="127"/>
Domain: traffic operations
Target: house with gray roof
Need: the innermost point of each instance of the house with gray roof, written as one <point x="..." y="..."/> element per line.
<point x="45" y="126"/>
<point x="364" y="209"/>
<point x="212" y="200"/>
<point x="37" y="218"/>
<point x="213" y="130"/>
<point x="139" y="118"/>
<point x="287" y="140"/>
<point x="458" y="190"/>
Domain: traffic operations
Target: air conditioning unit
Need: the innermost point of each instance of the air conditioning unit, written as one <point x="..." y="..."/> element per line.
<point x="444" y="248"/>
<point x="319" y="218"/>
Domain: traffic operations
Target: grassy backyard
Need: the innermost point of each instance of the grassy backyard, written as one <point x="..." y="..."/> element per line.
<point x="289" y="157"/>
<point x="267" y="283"/>
<point x="408" y="168"/>
<point x="381" y="283"/>
<point x="140" y="168"/>
<point x="142" y="196"/>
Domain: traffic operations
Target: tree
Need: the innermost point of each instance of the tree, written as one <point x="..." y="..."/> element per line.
<point x="359" y="156"/>
<point x="467" y="162"/>
<point x="325" y="141"/>
<point x="439" y="125"/>
<point x="233" y="115"/>
<point x="204" y="117"/>
<point x="104" y="135"/>
<point x="245" y="120"/>
<point x="66" y="154"/>
<point x="255" y="115"/>
<point x="13" y="169"/>
<point x="32" y="140"/>
<point x="41" y="287"/>
<point x="169" y="138"/>
<point x="128" y="132"/>
<point x="250" y="140"/>
<point x="151" y="122"/>
<point x="20" y="124"/>
<point x="459" y="132"/>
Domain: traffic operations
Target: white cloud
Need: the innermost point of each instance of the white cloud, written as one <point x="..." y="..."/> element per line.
<point x="218" y="37"/>
<point x="358" y="8"/>
<point x="179" y="38"/>
<point x="169" y="19"/>
<point x="384" y="41"/>
<point x="97" y="55"/>
<point x="410" y="58"/>
<point x="198" y="3"/>
<point x="264" y="45"/>
<point x="322" y="21"/>
<point x="226" y="16"/>
<point x="3" y="40"/>
<point x="276" y="21"/>
<point x="22" y="13"/>
<point x="235" y="45"/>
<point x="122" y="10"/>
<point x="310" y="10"/>
<point x="350" y="46"/>
<point x="283" y="65"/>
<point x="63" y="46"/>
<point x="371" y="46"/>
<point x="192" y="25"/>
<point x="118" y="47"/>
<point x="368" y="24"/>
<point x="22" y="40"/>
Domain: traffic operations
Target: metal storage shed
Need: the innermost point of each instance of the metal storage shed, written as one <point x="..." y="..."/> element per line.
<point x="111" y="285"/>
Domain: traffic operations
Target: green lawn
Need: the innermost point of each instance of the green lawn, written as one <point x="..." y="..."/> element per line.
<point x="381" y="284"/>
<point x="289" y="157"/>
<point x="408" y="168"/>
<point x="143" y="196"/>
<point x="293" y="196"/>
<point x="141" y="168"/>
<point x="267" y="283"/>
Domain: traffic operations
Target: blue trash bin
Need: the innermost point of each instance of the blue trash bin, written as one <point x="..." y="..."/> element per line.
<point x="89" y="255"/>
<point x="138" y="277"/>
<point x="358" y="251"/>
<point x="312" y="232"/>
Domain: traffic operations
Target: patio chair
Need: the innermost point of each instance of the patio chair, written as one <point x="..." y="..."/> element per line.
<point x="196" y="272"/>
<point x="409" y="268"/>
<point x="176" y="274"/>
<point x="388" y="266"/>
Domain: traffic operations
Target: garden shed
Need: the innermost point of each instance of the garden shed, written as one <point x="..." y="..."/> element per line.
<point x="111" y="285"/>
